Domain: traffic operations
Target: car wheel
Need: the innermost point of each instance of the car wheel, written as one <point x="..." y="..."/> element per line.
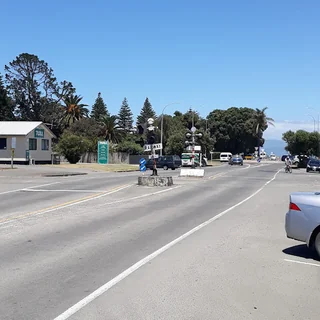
<point x="317" y="243"/>
<point x="173" y="168"/>
<point x="165" y="167"/>
<point x="307" y="170"/>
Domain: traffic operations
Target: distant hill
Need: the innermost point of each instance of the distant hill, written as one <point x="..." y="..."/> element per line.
<point x="275" y="146"/>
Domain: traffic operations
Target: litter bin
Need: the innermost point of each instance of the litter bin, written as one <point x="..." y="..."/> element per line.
<point x="55" y="158"/>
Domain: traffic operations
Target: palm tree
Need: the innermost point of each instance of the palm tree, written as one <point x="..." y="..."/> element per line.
<point x="260" y="124"/>
<point x="74" y="110"/>
<point x="111" y="129"/>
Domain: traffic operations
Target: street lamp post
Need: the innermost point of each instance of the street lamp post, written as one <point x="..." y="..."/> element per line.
<point x="161" y="130"/>
<point x="314" y="121"/>
<point x="318" y="127"/>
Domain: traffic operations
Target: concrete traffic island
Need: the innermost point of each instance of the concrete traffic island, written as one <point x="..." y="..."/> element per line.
<point x="190" y="172"/>
<point x="155" y="181"/>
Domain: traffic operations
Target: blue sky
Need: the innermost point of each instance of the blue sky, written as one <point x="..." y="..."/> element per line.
<point x="213" y="54"/>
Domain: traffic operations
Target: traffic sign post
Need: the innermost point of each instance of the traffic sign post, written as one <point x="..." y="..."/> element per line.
<point x="103" y="152"/>
<point x="143" y="167"/>
<point x="13" y="147"/>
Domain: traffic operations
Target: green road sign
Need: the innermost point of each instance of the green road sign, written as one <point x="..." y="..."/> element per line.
<point x="103" y="152"/>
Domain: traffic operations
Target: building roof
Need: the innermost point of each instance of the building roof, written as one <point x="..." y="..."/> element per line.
<point x="20" y="128"/>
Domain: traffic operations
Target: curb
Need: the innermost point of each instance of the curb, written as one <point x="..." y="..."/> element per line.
<point x="64" y="174"/>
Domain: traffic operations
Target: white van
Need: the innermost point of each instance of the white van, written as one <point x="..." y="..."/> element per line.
<point x="225" y="156"/>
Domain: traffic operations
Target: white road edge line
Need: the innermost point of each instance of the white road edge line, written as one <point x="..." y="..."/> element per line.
<point x="97" y="293"/>
<point x="39" y="186"/>
<point x="301" y="262"/>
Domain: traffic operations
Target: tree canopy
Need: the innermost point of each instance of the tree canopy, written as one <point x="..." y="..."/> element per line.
<point x="125" y="116"/>
<point x="30" y="91"/>
<point x="99" y="109"/>
<point x="302" y="142"/>
<point x="146" y="112"/>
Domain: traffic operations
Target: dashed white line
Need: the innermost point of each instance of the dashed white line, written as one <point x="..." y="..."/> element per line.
<point x="97" y="293"/>
<point x="39" y="186"/>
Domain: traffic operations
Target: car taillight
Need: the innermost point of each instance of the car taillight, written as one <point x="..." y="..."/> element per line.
<point x="293" y="206"/>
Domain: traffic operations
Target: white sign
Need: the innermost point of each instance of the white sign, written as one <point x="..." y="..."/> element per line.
<point x="156" y="156"/>
<point x="13" y="142"/>
<point x="156" y="146"/>
<point x="193" y="129"/>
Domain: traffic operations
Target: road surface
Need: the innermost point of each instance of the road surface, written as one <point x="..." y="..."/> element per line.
<point x="63" y="240"/>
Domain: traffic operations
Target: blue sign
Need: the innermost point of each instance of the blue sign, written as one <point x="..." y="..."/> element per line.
<point x="143" y="164"/>
<point x="259" y="160"/>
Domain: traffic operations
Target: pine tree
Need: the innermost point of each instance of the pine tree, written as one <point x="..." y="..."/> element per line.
<point x="99" y="109"/>
<point x="6" y="105"/>
<point x="146" y="112"/>
<point x="125" y="119"/>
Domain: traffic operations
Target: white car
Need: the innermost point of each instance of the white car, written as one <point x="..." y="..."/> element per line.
<point x="273" y="157"/>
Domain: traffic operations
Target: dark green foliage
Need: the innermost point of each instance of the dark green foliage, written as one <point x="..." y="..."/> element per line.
<point x="72" y="146"/>
<point x="302" y="142"/>
<point x="6" y="105"/>
<point x="125" y="116"/>
<point x="111" y="129"/>
<point x="130" y="146"/>
<point x="73" y="110"/>
<point x="99" y="109"/>
<point x="146" y="112"/>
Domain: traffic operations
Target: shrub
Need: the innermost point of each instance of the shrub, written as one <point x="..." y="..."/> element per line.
<point x="72" y="147"/>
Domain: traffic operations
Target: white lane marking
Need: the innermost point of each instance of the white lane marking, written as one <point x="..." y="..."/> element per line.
<point x="143" y="196"/>
<point x="97" y="293"/>
<point x="94" y="198"/>
<point x="301" y="262"/>
<point x="39" y="186"/>
<point x="71" y="190"/>
<point x="67" y="205"/>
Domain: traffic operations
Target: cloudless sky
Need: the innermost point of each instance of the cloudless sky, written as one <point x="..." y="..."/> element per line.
<point x="205" y="54"/>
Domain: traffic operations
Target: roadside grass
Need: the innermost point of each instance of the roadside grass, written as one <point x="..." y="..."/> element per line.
<point x="98" y="167"/>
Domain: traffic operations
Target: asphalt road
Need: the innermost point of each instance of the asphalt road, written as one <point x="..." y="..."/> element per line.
<point x="58" y="248"/>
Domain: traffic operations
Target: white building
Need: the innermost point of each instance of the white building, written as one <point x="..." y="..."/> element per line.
<point x="31" y="140"/>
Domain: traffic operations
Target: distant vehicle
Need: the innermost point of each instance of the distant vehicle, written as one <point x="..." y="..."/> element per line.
<point x="225" y="156"/>
<point x="248" y="157"/>
<point x="302" y="221"/>
<point x="236" y="160"/>
<point x="186" y="159"/>
<point x="273" y="157"/>
<point x="263" y="154"/>
<point x="165" y="162"/>
<point x="313" y="165"/>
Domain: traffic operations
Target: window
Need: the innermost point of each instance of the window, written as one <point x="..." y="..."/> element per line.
<point x="3" y="143"/>
<point x="45" y="144"/>
<point x="32" y="144"/>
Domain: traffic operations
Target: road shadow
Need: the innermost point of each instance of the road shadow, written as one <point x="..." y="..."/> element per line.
<point x="302" y="251"/>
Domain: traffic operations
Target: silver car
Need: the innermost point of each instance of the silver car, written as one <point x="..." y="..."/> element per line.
<point x="303" y="218"/>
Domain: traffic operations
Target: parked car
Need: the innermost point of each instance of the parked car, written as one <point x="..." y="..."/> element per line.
<point x="236" y="160"/>
<point x="165" y="162"/>
<point x="313" y="165"/>
<point x="273" y="157"/>
<point x="302" y="222"/>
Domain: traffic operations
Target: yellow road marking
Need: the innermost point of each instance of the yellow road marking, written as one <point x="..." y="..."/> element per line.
<point x="61" y="205"/>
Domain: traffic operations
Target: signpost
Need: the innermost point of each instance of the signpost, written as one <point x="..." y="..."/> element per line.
<point x="13" y="146"/>
<point x="143" y="167"/>
<point x="103" y="152"/>
<point x="156" y="146"/>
